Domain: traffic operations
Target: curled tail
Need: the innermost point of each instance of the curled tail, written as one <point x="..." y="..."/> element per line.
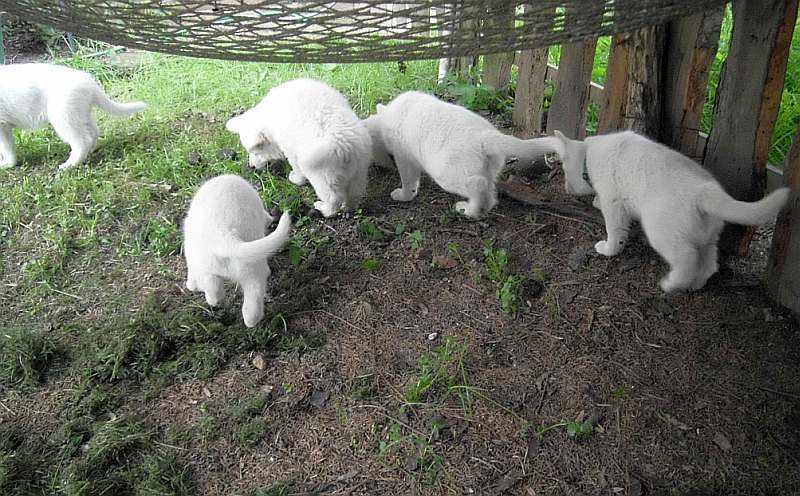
<point x="505" y="146"/>
<point x="113" y="108"/>
<point x="715" y="201"/>
<point x="264" y="247"/>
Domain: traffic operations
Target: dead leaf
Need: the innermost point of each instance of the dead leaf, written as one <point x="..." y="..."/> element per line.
<point x="319" y="398"/>
<point x="444" y="262"/>
<point x="206" y="392"/>
<point x="722" y="441"/>
<point x="259" y="362"/>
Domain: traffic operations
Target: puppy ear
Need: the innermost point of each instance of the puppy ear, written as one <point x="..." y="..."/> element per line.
<point x="235" y="124"/>
<point x="558" y="134"/>
<point x="380" y="108"/>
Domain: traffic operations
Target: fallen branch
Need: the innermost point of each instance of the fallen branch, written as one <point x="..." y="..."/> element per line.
<point x="521" y="192"/>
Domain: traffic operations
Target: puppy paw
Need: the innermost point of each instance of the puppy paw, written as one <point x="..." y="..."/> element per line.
<point x="297" y="178"/>
<point x="65" y="166"/>
<point x="602" y="248"/>
<point x="465" y="208"/>
<point x="324" y="208"/>
<point x="6" y="165"/>
<point x="400" y="195"/>
<point x="191" y="285"/>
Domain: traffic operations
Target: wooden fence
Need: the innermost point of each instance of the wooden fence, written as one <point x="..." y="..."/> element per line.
<point x="656" y="84"/>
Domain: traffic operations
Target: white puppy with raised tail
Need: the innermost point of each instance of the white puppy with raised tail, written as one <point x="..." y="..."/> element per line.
<point x="223" y="238"/>
<point x="461" y="151"/>
<point x="682" y="208"/>
<point x="31" y="95"/>
<point x="313" y="127"/>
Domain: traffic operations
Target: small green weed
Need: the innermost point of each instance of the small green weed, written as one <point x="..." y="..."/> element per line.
<point x="161" y="237"/>
<point x="416" y="238"/>
<point x="579" y="429"/>
<point x="444" y="367"/>
<point x="507" y="285"/>
<point x="371" y="230"/>
<point x="164" y="474"/>
<point x="619" y="392"/>
<point x="372" y="264"/>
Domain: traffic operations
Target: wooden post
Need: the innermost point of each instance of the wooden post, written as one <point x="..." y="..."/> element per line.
<point x="633" y="83"/>
<point x="748" y="98"/>
<point x="689" y="52"/>
<point x="783" y="268"/>
<point x="2" y="42"/>
<point x="497" y="66"/>
<point x="529" y="98"/>
<point x="615" y="94"/>
<point x="571" y="96"/>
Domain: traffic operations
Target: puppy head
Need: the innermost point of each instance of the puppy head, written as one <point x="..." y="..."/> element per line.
<point x="260" y="148"/>
<point x="380" y="154"/>
<point x="573" y="157"/>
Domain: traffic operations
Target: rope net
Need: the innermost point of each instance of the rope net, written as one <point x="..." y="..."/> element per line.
<point x="316" y="31"/>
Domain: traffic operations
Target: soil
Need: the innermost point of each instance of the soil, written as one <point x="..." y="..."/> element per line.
<point x="691" y="394"/>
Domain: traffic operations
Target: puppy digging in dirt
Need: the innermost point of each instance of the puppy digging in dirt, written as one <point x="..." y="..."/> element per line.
<point x="224" y="240"/>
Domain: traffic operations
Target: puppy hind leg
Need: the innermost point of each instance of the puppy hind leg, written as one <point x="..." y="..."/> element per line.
<point x="8" y="155"/>
<point x="707" y="265"/>
<point x="253" y="306"/>
<point x="80" y="136"/>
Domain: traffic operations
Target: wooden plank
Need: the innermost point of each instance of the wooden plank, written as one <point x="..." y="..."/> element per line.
<point x="497" y="66"/>
<point x="571" y="96"/>
<point x="633" y="83"/>
<point x="615" y="94"/>
<point x="783" y="267"/>
<point x="747" y="104"/>
<point x="529" y="98"/>
<point x="596" y="91"/>
<point x="690" y="49"/>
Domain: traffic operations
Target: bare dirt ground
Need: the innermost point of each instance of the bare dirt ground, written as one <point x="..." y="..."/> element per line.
<point x="689" y="394"/>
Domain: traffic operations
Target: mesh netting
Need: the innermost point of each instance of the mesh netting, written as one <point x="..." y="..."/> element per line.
<point x="315" y="31"/>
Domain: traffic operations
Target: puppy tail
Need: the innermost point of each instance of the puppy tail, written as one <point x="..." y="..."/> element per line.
<point x="266" y="246"/>
<point x="504" y="146"/>
<point x="115" y="109"/>
<point x="715" y="201"/>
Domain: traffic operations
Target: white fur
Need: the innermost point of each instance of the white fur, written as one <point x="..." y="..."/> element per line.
<point x="31" y="95"/>
<point x="224" y="239"/>
<point x="312" y="125"/>
<point x="682" y="208"/>
<point x="460" y="150"/>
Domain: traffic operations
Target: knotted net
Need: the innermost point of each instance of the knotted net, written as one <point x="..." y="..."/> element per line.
<point x="316" y="31"/>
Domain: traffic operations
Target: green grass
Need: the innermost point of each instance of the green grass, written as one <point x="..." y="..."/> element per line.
<point x="25" y="356"/>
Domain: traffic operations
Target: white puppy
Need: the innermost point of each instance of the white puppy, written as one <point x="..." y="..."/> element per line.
<point x="312" y="125"/>
<point x="31" y="95"/>
<point x="224" y="239"/>
<point x="460" y="150"/>
<point x="682" y="208"/>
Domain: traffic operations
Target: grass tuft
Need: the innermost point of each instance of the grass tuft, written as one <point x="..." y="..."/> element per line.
<point x="25" y="356"/>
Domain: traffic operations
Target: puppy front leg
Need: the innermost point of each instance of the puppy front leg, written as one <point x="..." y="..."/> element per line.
<point x="617" y="226"/>
<point x="8" y="156"/>
<point x="409" y="179"/>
